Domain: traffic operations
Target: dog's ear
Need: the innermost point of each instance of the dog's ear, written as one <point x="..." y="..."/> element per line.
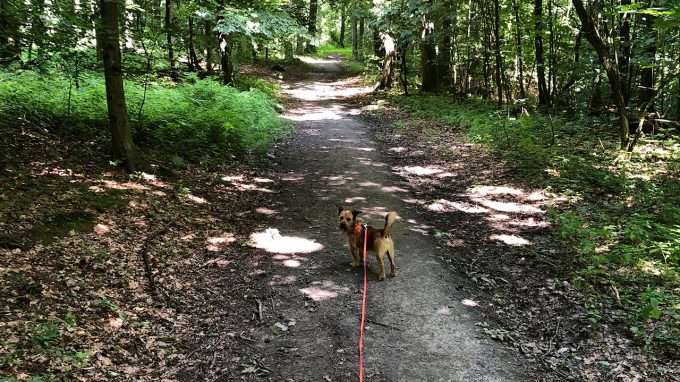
<point x="340" y="209"/>
<point x="355" y="213"/>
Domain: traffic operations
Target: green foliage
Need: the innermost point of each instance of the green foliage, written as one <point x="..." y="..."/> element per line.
<point x="328" y="49"/>
<point x="201" y="121"/>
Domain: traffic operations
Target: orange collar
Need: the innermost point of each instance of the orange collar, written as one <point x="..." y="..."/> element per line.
<point x="358" y="228"/>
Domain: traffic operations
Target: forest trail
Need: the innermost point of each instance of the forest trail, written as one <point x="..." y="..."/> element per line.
<point x="417" y="326"/>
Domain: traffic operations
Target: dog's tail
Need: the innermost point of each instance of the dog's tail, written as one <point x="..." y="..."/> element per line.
<point x="389" y="220"/>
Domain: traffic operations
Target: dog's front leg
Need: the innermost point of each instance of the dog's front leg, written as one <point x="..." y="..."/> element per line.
<point x="356" y="256"/>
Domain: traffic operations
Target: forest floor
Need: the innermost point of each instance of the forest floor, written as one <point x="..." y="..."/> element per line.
<point x="242" y="274"/>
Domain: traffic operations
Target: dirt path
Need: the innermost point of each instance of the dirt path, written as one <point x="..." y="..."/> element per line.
<point x="417" y="329"/>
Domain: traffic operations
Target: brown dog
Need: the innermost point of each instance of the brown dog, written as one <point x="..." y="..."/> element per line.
<point x="378" y="240"/>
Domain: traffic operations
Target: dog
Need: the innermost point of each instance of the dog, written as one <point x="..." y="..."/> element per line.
<point x="378" y="240"/>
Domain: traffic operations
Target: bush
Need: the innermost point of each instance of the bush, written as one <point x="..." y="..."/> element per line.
<point x="202" y="121"/>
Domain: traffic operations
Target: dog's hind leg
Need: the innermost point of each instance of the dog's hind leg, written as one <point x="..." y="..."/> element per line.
<point x="390" y="255"/>
<point x="379" y="256"/>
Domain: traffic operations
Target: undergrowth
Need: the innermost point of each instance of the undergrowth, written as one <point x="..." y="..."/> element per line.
<point x="199" y="120"/>
<point x="622" y="217"/>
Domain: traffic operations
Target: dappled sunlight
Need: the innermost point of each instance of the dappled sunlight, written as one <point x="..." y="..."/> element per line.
<point x="266" y="211"/>
<point x="241" y="183"/>
<point x="324" y="290"/>
<point x="283" y="280"/>
<point x="513" y="240"/>
<point x="443" y="205"/>
<point x="102" y="229"/>
<point x="215" y="243"/>
<point x="354" y="199"/>
<point x="332" y="113"/>
<point x="272" y="241"/>
<point x="469" y="302"/>
<point x="510" y="207"/>
<point x="195" y="199"/>
<point x="419" y="170"/>
<point x="494" y="190"/>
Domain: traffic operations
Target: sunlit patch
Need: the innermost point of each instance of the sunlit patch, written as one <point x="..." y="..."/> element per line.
<point x="324" y="290"/>
<point x="123" y="186"/>
<point x="392" y="189"/>
<point x="96" y="189"/>
<point x="444" y="311"/>
<point x="318" y="294"/>
<point x="420" y="171"/>
<point x="272" y="241"/>
<point x="265" y="211"/>
<point x="445" y="175"/>
<point x="354" y="199"/>
<point x="510" y="240"/>
<point x="397" y="149"/>
<point x="189" y="236"/>
<point x="159" y="193"/>
<point x="196" y="199"/>
<point x="237" y="178"/>
<point x="215" y="243"/>
<point x="536" y="196"/>
<point x="283" y="280"/>
<point x="312" y="115"/>
<point x="153" y="180"/>
<point x="219" y="263"/>
<point x="531" y="222"/>
<point x="443" y="205"/>
<point x="650" y="267"/>
<point x="510" y="207"/>
<point x="468" y="302"/>
<point x="102" y="229"/>
<point x="494" y="190"/>
<point x="291" y="263"/>
<point x="500" y="217"/>
<point x="293" y="178"/>
<point x="369" y="184"/>
<point x="263" y="180"/>
<point x="366" y="149"/>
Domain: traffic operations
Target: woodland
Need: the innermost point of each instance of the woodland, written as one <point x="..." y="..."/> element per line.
<point x="139" y="137"/>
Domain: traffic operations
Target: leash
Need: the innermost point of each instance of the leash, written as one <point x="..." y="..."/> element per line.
<point x="363" y="314"/>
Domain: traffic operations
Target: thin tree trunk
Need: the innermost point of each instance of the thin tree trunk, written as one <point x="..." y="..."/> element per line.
<point x="499" y="58"/>
<point x="193" y="58"/>
<point x="486" y="56"/>
<point x="647" y="75"/>
<point x="610" y="68"/>
<point x="209" y="36"/>
<point x="360" y="38"/>
<point x="355" y="51"/>
<point x="624" y="59"/>
<point x="444" y="59"/>
<point x="288" y="51"/>
<point x="226" y="61"/>
<point x="520" y="62"/>
<point x="538" y="44"/>
<point x="122" y="146"/>
<point x="428" y="57"/>
<point x="168" y="32"/>
<point x="311" y="27"/>
<point x="404" y="68"/>
<point x="343" y="22"/>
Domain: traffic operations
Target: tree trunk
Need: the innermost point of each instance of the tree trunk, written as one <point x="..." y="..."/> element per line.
<point x="520" y="60"/>
<point x="355" y="52"/>
<point x="10" y="35"/>
<point x="611" y="69"/>
<point x="444" y="59"/>
<point x="624" y="59"/>
<point x="343" y="22"/>
<point x="538" y="44"/>
<point x="428" y="57"/>
<point x="226" y="61"/>
<point x="497" y="48"/>
<point x="388" y="60"/>
<point x="168" y="32"/>
<point x="647" y="74"/>
<point x="486" y="57"/>
<point x="360" y="37"/>
<point x="311" y="27"/>
<point x="404" y="68"/>
<point x="209" y="36"/>
<point x="193" y="58"/>
<point x="122" y="146"/>
<point x="288" y="51"/>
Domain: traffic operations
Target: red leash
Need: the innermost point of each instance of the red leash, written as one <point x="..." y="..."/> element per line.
<point x="363" y="314"/>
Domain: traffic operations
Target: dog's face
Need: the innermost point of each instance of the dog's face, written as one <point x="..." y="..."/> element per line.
<point x="347" y="218"/>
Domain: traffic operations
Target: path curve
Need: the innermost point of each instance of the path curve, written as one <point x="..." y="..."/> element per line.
<point x="417" y="329"/>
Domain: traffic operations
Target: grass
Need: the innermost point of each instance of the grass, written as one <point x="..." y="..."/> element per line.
<point x="326" y="49"/>
<point x="622" y="219"/>
<point x="200" y="120"/>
